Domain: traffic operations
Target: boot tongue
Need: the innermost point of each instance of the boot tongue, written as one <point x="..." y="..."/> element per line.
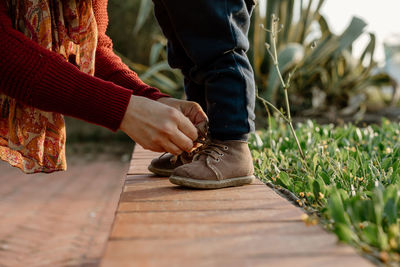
<point x="202" y="130"/>
<point x="186" y="157"/>
<point x="202" y="139"/>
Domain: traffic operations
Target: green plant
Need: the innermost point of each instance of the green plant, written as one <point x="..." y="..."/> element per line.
<point x="327" y="77"/>
<point x="351" y="180"/>
<point x="271" y="48"/>
<point x="141" y="45"/>
<point x="158" y="73"/>
<point x="122" y="20"/>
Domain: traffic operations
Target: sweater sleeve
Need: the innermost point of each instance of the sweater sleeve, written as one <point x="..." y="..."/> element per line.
<point x="43" y="79"/>
<point x="109" y="66"/>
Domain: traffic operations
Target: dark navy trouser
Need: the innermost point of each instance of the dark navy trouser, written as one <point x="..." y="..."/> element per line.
<point x="207" y="41"/>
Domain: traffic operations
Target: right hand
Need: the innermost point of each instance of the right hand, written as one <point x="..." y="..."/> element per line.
<point x="158" y="127"/>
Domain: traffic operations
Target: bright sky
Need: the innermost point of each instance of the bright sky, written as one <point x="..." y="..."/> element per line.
<point x="382" y="17"/>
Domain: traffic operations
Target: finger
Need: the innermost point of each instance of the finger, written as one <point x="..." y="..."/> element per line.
<point x="152" y="147"/>
<point x="172" y="148"/>
<point x="182" y="141"/>
<point x="195" y="113"/>
<point x="200" y="117"/>
<point x="188" y="128"/>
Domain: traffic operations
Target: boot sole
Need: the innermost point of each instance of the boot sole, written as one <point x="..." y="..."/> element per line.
<point x="160" y="172"/>
<point x="210" y="184"/>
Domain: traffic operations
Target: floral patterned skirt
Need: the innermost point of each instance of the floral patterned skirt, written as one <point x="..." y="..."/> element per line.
<point x="31" y="139"/>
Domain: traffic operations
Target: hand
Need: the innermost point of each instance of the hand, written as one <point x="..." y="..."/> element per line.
<point x="190" y="109"/>
<point x="158" y="127"/>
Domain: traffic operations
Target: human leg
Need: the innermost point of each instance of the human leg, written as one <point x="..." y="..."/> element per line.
<point x="177" y="57"/>
<point x="208" y="43"/>
<point x="212" y="41"/>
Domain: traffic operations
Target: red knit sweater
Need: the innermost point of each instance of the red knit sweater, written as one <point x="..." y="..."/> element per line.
<point x="42" y="79"/>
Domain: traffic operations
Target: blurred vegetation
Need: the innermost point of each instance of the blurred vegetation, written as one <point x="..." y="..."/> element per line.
<point x="88" y="142"/>
<point x="121" y="29"/>
<point x="330" y="80"/>
<point x="139" y="42"/>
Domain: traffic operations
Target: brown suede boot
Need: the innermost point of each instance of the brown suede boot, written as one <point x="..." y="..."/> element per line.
<point x="166" y="163"/>
<point x="218" y="164"/>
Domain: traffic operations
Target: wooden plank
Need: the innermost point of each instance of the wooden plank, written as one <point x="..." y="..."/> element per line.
<point x="58" y="219"/>
<point x="160" y="224"/>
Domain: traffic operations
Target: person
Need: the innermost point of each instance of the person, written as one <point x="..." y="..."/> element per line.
<point x="55" y="58"/>
<point x="207" y="41"/>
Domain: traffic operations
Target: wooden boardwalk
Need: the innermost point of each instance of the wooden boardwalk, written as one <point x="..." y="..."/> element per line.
<point x="159" y="224"/>
<point x="59" y="219"/>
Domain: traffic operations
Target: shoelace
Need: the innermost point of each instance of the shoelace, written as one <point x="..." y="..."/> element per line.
<point x="202" y="139"/>
<point x="213" y="150"/>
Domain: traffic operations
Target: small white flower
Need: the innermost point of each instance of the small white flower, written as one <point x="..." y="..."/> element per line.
<point x="353" y="191"/>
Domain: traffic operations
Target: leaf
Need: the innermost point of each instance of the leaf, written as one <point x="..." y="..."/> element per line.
<point x="323" y="24"/>
<point x="163" y="65"/>
<point x="369" y="49"/>
<point x="316" y="189"/>
<point x="305" y="20"/>
<point x="370" y="234"/>
<point x="155" y="53"/>
<point x="387" y="162"/>
<point x="368" y="210"/>
<point x="336" y="208"/>
<point x="352" y="32"/>
<point x="323" y="52"/>
<point x="325" y="176"/>
<point x="378" y="204"/>
<point x="391" y="198"/>
<point x="144" y="12"/>
<point x="257" y="141"/>
<point x="315" y="162"/>
<point x="163" y="82"/>
<point x="345" y="233"/>
<point x="287" y="20"/>
<point x="284" y="178"/>
<point x="390" y="211"/>
<point x="382" y="239"/>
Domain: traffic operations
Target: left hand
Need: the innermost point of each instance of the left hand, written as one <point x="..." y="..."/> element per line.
<point x="191" y="110"/>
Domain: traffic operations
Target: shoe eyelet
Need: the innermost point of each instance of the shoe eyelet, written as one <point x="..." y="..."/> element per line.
<point x="218" y="160"/>
<point x="226" y="147"/>
<point x="222" y="154"/>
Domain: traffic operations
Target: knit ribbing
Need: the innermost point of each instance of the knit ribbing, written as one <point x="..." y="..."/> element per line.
<point x="92" y="99"/>
<point x="123" y="77"/>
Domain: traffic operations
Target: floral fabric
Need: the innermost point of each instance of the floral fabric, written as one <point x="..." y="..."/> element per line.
<point x="31" y="139"/>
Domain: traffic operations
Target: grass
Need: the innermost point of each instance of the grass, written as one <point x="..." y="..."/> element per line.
<point x="349" y="180"/>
